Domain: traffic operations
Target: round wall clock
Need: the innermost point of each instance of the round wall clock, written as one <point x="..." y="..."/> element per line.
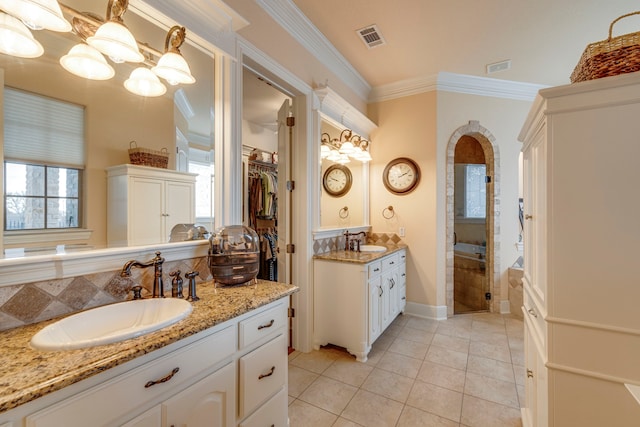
<point x="337" y="180"/>
<point x="401" y="175"/>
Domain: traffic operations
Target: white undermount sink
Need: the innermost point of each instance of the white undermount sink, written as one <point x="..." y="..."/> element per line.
<point x="372" y="248"/>
<point x="111" y="323"/>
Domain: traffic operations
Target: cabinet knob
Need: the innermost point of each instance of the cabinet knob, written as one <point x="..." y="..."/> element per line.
<point x="527" y="216"/>
<point x="529" y="373"/>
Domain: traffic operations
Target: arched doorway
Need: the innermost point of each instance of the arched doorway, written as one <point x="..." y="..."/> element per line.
<point x="486" y="141"/>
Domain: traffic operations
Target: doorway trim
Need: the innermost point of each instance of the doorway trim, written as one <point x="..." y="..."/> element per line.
<point x="492" y="160"/>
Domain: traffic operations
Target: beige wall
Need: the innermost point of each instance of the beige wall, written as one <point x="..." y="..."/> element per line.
<point x="407" y="128"/>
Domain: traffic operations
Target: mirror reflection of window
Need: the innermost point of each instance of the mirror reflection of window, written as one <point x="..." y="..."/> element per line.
<point x="44" y="159"/>
<point x="200" y="163"/>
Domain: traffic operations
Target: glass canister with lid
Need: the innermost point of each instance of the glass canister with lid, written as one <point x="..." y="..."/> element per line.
<point x="234" y="255"/>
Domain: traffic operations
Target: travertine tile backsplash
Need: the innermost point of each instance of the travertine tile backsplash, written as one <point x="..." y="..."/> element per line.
<point x="28" y="303"/>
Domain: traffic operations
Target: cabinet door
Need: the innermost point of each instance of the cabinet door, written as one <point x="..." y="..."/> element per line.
<point x="208" y="403"/>
<point x="179" y="205"/>
<point x="151" y="418"/>
<point x="393" y="295"/>
<point x="402" y="287"/>
<point x="535" y="211"/>
<point x="146" y="220"/>
<point x="375" y="309"/>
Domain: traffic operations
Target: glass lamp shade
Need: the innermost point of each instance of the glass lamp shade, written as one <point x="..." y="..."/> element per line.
<point x="37" y="14"/>
<point x="16" y="39"/>
<point x="343" y="159"/>
<point x="85" y="61"/>
<point x="333" y="155"/>
<point x="116" y="41"/>
<point x="324" y="151"/>
<point x="143" y="82"/>
<point x="174" y="69"/>
<point x="347" y="148"/>
<point x="365" y="157"/>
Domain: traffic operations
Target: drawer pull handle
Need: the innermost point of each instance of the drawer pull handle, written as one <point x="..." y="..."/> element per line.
<point x="529" y="373"/>
<point x="268" y="325"/>
<point x="527" y="216"/>
<point x="532" y="312"/>
<point x="376" y="269"/>
<point x="381" y="291"/>
<point x="273" y="369"/>
<point x="163" y="379"/>
<point x="393" y="283"/>
<point x="392" y="262"/>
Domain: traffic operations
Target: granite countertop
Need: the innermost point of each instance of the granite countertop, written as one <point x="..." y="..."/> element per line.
<point x="359" y="257"/>
<point x="28" y="374"/>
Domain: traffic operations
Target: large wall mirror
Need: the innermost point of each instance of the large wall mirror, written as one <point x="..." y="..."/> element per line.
<point x="180" y="121"/>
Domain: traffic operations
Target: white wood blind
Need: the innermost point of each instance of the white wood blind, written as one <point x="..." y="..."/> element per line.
<point x="42" y="129"/>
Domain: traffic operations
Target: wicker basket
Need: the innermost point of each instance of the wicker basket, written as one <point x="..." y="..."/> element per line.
<point x="610" y="57"/>
<point x="146" y="157"/>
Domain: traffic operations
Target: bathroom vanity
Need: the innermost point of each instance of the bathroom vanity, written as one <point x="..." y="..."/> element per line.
<point x="224" y="365"/>
<point x="356" y="297"/>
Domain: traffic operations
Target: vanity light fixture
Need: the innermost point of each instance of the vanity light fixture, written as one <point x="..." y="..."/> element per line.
<point x="16" y="39"/>
<point x="347" y="146"/>
<point x="37" y="14"/>
<point x="85" y="61"/>
<point x="113" y="38"/>
<point x="172" y="66"/>
<point x="143" y="82"/>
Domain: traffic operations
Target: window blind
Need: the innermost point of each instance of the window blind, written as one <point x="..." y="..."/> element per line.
<point x="42" y="129"/>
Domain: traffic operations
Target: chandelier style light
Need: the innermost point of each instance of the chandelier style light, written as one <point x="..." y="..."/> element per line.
<point x="344" y="148"/>
<point x="99" y="37"/>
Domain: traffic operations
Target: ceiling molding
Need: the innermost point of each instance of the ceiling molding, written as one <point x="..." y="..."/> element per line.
<point x="289" y="17"/>
<point x="459" y="83"/>
<point x="342" y="114"/>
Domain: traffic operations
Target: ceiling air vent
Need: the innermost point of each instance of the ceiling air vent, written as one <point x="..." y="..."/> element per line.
<point x="498" y="66"/>
<point x="371" y="36"/>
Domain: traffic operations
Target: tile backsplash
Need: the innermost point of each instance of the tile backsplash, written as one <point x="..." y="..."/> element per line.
<point x="28" y="303"/>
<point x="321" y="246"/>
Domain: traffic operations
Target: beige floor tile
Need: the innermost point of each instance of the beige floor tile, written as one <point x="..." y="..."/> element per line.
<point x="436" y="400"/>
<point x="328" y="394"/>
<point x="388" y="384"/>
<point x="348" y="371"/>
<point x="400" y="364"/>
<point x="428" y="325"/>
<point x="441" y="375"/>
<point x="374" y="355"/>
<point x="384" y="341"/>
<point x="409" y="348"/>
<point x="417" y="335"/>
<point x="343" y="422"/>
<point x="454" y="330"/>
<point x="481" y="413"/>
<point x="414" y="417"/>
<point x="451" y="342"/>
<point x="315" y="361"/>
<point x="301" y="414"/>
<point x="372" y="410"/>
<point x="493" y="390"/>
<point x="490" y="368"/>
<point x="444" y="356"/>
<point x="299" y="380"/>
<point x="393" y="329"/>
<point x="492" y="351"/>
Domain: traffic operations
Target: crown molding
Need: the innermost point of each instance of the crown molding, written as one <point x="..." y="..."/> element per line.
<point x="289" y="17"/>
<point x="340" y="113"/>
<point x="458" y="83"/>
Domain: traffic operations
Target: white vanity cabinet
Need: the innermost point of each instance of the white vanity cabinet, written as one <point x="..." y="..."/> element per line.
<point x="580" y="154"/>
<point x="144" y="204"/>
<point x="230" y="375"/>
<point x="355" y="302"/>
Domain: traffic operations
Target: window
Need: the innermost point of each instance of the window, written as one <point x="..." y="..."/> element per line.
<point x="470" y="191"/>
<point x="44" y="159"/>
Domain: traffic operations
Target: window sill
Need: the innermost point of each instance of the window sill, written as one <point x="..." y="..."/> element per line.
<point x="24" y="237"/>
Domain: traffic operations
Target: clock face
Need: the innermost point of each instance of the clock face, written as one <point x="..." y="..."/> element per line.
<point x="337" y="180"/>
<point x="401" y="175"/>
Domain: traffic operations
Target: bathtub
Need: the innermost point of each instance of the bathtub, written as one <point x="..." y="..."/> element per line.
<point x="470" y="251"/>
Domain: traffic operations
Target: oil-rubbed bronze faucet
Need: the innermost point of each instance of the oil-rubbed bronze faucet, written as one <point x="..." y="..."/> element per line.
<point x="349" y="244"/>
<point x="158" y="288"/>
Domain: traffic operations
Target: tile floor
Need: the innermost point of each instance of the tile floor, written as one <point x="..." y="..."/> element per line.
<point x="466" y="371"/>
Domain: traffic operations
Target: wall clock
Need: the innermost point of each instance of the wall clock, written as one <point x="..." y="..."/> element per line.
<point x="401" y="175"/>
<point x="337" y="180"/>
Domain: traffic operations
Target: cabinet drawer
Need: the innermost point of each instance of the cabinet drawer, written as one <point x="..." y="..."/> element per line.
<point x="273" y="413"/>
<point x="126" y="393"/>
<point x="375" y="268"/>
<point x="390" y="262"/>
<point x="402" y="257"/>
<point x="265" y="324"/>
<point x="262" y="373"/>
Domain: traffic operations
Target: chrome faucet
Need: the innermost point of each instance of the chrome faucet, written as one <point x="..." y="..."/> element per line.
<point x="348" y="245"/>
<point x="158" y="288"/>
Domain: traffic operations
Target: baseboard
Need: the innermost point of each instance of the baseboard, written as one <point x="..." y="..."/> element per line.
<point x="436" y="312"/>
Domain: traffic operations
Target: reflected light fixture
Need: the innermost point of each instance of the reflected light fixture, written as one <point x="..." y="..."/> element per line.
<point x="172" y="66"/>
<point x="348" y="145"/>
<point x="16" y="39"/>
<point x="85" y="61"/>
<point x="144" y="82"/>
<point x="37" y="14"/>
<point x="113" y="38"/>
